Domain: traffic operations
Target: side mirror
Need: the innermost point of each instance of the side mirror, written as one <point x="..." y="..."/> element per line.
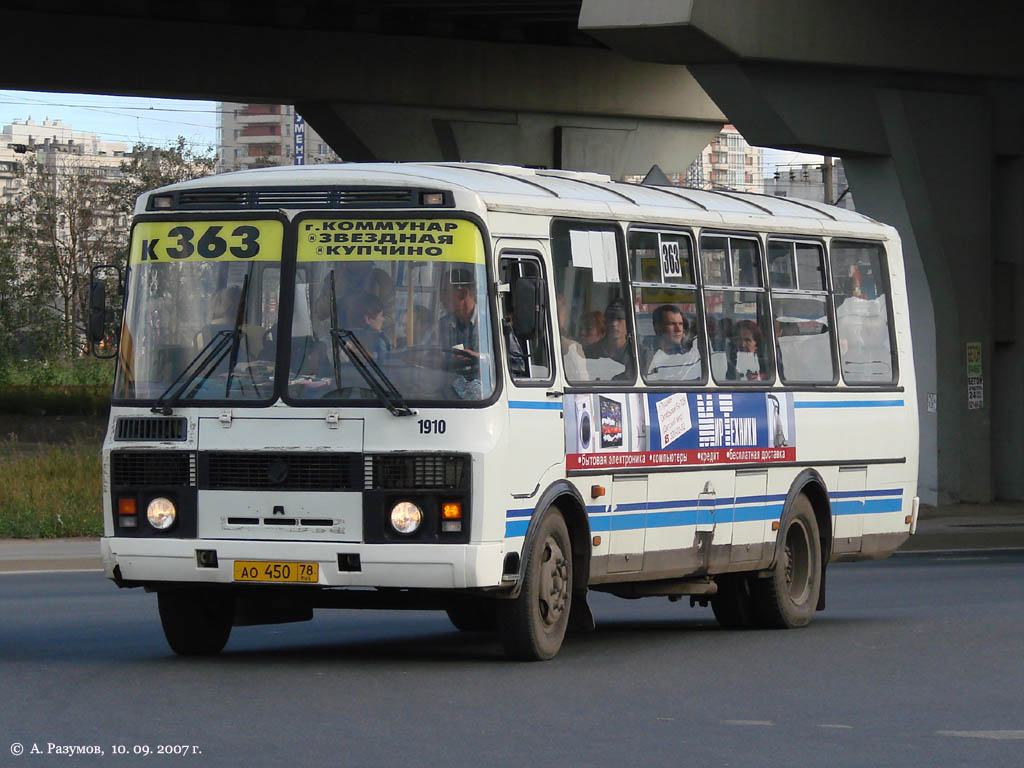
<point x="104" y="324"/>
<point x="97" y="310"/>
<point x="528" y="299"/>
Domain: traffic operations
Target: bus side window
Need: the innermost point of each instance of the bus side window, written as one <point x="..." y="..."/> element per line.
<point x="802" y="314"/>
<point x="859" y="281"/>
<point x="528" y="359"/>
<point x="596" y="335"/>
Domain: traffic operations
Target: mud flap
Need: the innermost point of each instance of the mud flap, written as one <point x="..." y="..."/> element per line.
<point x="580" y="617"/>
<point x="821" y="590"/>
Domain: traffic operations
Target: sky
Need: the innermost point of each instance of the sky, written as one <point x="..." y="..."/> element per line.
<point x="118" y="118"/>
<point x="159" y="122"/>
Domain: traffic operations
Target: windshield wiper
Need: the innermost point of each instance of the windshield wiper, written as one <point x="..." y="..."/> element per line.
<point x="214" y="352"/>
<point x="237" y="331"/>
<point x="363" y="362"/>
<point x="207" y="361"/>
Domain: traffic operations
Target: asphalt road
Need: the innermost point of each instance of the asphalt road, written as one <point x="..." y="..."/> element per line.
<point x="917" y="661"/>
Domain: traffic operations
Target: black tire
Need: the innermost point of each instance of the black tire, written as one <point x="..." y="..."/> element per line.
<point x="196" y="622"/>
<point x="473" y="614"/>
<point x="733" y="604"/>
<point x="789" y="597"/>
<point x="533" y="625"/>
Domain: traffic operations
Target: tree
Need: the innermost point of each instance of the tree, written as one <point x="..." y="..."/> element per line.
<point x="25" y="328"/>
<point x="151" y="167"/>
<point x="62" y="227"/>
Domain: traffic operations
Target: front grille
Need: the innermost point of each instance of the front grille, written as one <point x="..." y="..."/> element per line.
<point x="420" y="471"/>
<point x="150" y="428"/>
<point x="152" y="468"/>
<point x="281" y="471"/>
<point x="201" y="199"/>
<point x="221" y="199"/>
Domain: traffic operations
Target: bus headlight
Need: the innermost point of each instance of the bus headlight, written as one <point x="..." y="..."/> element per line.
<point x="406" y="517"/>
<point x="161" y="513"/>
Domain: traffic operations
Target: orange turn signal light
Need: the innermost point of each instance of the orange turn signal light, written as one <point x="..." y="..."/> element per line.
<point x="451" y="510"/>
<point x="596" y="491"/>
<point x="126" y="506"/>
<point x="775" y="525"/>
<point x="597" y="541"/>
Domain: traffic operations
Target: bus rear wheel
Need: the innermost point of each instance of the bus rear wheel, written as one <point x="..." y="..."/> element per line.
<point x="533" y="624"/>
<point x="789" y="597"/>
<point x="196" y="622"/>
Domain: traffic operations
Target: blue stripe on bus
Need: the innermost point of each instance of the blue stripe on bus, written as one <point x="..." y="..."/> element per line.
<point x="853" y="494"/>
<point x="847" y="403"/>
<point x="683" y="512"/>
<point x="535" y="406"/>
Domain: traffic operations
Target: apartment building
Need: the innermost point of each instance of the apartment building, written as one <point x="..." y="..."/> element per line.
<point x="253" y="135"/>
<point x="55" y="145"/>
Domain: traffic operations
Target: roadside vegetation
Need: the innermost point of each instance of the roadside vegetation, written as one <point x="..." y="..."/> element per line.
<point x="62" y="219"/>
<point x="50" y="491"/>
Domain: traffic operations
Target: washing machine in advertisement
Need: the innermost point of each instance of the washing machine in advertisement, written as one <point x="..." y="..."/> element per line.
<point x="581" y="434"/>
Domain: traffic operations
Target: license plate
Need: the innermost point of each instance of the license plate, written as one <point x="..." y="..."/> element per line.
<point x="267" y="570"/>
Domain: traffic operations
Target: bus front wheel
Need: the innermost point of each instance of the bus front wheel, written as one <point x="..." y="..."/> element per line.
<point x="196" y="622"/>
<point x="533" y="624"/>
<point x="789" y="596"/>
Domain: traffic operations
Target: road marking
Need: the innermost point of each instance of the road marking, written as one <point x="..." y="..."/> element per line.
<point x="993" y="735"/>
<point x="762" y="723"/>
<point x="835" y="725"/>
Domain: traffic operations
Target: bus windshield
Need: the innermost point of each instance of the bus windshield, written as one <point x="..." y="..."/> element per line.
<point x="421" y="313"/>
<point x="203" y="294"/>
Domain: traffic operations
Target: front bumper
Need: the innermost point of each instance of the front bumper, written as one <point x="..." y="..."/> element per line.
<point x="429" y="566"/>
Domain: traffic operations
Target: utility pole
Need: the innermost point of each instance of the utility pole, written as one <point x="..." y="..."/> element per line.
<point x="826" y="179"/>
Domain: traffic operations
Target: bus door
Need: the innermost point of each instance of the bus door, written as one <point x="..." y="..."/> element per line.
<point x="848" y="509"/>
<point x="748" y="523"/>
<point x="628" y="523"/>
<point x="536" y="431"/>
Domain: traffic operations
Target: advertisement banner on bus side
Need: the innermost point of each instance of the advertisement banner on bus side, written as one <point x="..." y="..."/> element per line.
<point x="622" y="431"/>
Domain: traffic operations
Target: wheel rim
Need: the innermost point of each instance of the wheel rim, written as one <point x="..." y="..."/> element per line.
<point x="554" y="582"/>
<point x="798" y="562"/>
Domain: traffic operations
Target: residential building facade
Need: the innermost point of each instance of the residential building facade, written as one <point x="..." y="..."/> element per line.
<point x="253" y="135"/>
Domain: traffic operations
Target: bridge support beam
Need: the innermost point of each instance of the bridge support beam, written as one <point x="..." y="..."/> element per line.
<point x="614" y="145"/>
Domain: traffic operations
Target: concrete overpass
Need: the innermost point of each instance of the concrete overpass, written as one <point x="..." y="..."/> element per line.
<point x="506" y="81"/>
<point x="923" y="103"/>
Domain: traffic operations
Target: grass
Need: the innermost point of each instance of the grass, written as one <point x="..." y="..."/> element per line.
<point x="54" y="491"/>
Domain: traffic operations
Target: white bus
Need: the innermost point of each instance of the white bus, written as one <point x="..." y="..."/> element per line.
<point x="487" y="389"/>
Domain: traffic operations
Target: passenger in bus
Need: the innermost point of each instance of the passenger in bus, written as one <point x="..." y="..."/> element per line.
<point x="669" y="355"/>
<point x="592" y="328"/>
<point x="574" y="362"/>
<point x="458" y="327"/>
<point x="750" y="359"/>
<point x="366" y="318"/>
<point x="223" y="314"/>
<point x="615" y="344"/>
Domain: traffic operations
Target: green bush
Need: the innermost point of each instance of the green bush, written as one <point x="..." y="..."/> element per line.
<point x="78" y="387"/>
<point x="82" y="372"/>
<point x="50" y="493"/>
<point x="64" y="401"/>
